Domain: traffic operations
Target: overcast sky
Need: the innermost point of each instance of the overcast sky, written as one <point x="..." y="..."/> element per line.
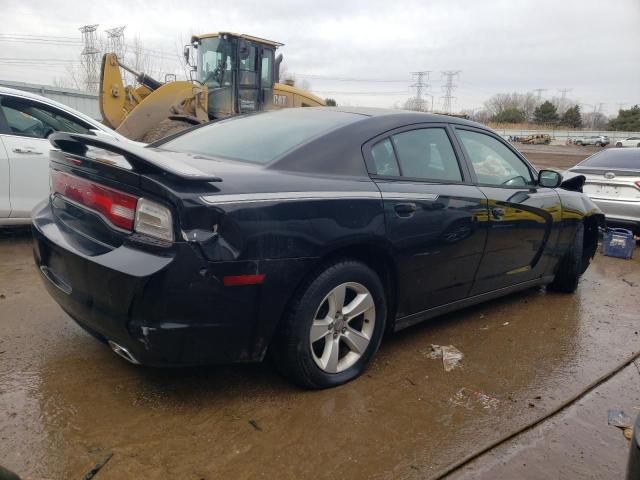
<point x="362" y="52"/>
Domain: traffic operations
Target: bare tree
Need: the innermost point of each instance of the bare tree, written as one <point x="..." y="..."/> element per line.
<point x="595" y="120"/>
<point x="477" y="115"/>
<point x="416" y="104"/>
<point x="74" y="78"/>
<point x="501" y="102"/>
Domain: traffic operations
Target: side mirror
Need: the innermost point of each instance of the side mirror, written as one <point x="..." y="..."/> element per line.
<point x="549" y="178"/>
<point x="187" y="54"/>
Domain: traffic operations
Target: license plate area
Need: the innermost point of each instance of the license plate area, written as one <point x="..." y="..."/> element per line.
<point x="54" y="270"/>
<point x="600" y="190"/>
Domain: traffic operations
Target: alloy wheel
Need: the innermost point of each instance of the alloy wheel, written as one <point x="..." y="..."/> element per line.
<point x="342" y="327"/>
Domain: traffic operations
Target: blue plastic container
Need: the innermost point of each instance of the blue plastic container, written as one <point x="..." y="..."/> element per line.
<point x="618" y="242"/>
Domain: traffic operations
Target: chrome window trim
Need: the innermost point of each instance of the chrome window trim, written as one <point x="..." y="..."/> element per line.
<point x="287" y="196"/>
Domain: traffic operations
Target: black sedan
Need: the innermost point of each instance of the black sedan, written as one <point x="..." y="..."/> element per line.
<point x="305" y="232"/>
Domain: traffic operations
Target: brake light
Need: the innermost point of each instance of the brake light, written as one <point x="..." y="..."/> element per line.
<point x="638" y="184"/>
<point x="118" y="207"/>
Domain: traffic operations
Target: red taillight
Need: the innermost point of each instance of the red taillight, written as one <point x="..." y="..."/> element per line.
<point x="119" y="208"/>
<point x="638" y="184"/>
<point x="236" y="280"/>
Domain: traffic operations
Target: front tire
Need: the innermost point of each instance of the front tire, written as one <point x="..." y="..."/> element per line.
<point x="333" y="327"/>
<point x="618" y="145"/>
<point x="571" y="266"/>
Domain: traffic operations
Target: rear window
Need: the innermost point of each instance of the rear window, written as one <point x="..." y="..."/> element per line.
<point x="618" y="158"/>
<point x="260" y="138"/>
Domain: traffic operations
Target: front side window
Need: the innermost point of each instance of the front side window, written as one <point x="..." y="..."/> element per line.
<point x="216" y="62"/>
<point x="493" y="162"/>
<point x="31" y="119"/>
<point x="248" y="73"/>
<point x="426" y="154"/>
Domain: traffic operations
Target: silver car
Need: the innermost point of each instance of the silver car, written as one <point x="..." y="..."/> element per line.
<point x="613" y="183"/>
<point x="597" y="140"/>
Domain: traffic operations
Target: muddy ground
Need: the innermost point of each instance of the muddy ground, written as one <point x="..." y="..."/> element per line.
<point x="560" y="157"/>
<point x="67" y="402"/>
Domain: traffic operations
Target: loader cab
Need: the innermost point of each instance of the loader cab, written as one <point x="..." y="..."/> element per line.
<point x="239" y="71"/>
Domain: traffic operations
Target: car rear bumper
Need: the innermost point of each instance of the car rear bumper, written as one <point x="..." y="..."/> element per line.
<point x="166" y="307"/>
<point x="619" y="211"/>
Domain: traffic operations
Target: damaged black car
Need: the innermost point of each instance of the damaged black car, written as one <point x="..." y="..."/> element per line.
<point x="304" y="233"/>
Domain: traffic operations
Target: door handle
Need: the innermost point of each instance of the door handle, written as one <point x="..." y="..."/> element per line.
<point x="497" y="213"/>
<point x="405" y="209"/>
<point x="26" y="150"/>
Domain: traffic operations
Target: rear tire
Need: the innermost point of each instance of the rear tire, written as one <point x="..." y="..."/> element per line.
<point x="618" y="145"/>
<point x="638" y="145"/>
<point x="164" y="129"/>
<point x="571" y="265"/>
<point x="344" y="344"/>
<point x="579" y="143"/>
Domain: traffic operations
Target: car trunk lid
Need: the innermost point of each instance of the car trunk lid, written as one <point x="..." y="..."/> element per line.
<point x="98" y="184"/>
<point x="612" y="184"/>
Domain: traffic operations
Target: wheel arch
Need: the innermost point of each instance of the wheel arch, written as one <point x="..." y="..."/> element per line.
<point x="375" y="255"/>
<point x="378" y="257"/>
<point x="592" y="224"/>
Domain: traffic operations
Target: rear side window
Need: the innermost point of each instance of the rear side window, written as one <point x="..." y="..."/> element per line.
<point x="259" y="138"/>
<point x="384" y="159"/>
<point x="618" y="158"/>
<point x="427" y="154"/>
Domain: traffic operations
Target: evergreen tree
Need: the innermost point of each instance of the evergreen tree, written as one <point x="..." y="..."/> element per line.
<point x="627" y="120"/>
<point x="572" y="117"/>
<point x="509" y="115"/>
<point x="546" y="113"/>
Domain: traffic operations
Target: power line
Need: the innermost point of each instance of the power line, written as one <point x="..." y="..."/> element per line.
<point x="449" y="87"/>
<point x="24" y="35"/>
<point x="334" y="92"/>
<point x="71" y="42"/>
<point x="347" y="79"/>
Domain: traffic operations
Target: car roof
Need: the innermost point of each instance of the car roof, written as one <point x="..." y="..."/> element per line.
<point x="47" y="101"/>
<point x="401" y="114"/>
<point x="339" y="151"/>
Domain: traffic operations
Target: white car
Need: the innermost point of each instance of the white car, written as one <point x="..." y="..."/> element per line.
<point x="26" y="120"/>
<point x="629" y="142"/>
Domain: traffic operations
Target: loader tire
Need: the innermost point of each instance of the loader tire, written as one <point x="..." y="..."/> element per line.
<point x="164" y="129"/>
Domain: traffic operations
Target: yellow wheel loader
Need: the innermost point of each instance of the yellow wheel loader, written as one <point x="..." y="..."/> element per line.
<point x="234" y="74"/>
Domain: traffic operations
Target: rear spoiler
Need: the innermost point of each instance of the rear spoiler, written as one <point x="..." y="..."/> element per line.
<point x="140" y="159"/>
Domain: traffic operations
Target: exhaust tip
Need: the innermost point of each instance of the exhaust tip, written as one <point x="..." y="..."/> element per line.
<point x="123" y="352"/>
